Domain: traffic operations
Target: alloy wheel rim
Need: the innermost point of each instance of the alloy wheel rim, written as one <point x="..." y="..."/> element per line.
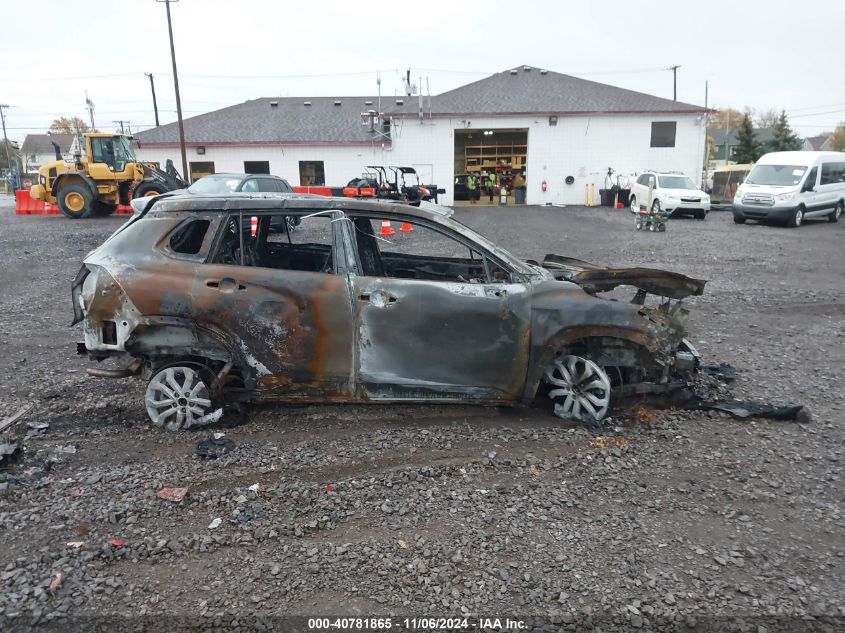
<point x="177" y="398"/>
<point x="581" y="389"/>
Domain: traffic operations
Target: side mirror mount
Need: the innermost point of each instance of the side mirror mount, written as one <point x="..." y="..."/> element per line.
<point x="808" y="186"/>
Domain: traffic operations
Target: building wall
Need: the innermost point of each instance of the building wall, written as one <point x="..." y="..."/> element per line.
<point x="583" y="147"/>
<point x="580" y="146"/>
<point x="341" y="163"/>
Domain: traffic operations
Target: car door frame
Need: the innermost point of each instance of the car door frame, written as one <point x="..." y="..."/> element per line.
<point x="503" y="303"/>
<point x="312" y="326"/>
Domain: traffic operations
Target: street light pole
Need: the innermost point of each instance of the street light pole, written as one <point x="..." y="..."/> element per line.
<point x="185" y="172"/>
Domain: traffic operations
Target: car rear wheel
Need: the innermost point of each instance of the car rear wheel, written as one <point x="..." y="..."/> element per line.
<point x="837" y="212"/>
<point x="797" y="218"/>
<point x="178" y="397"/>
<point x="579" y="388"/>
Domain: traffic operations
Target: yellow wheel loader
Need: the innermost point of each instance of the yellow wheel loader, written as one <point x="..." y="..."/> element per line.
<point x="102" y="174"/>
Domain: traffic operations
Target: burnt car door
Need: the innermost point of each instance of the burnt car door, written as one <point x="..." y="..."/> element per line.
<point x="436" y="318"/>
<point x="283" y="297"/>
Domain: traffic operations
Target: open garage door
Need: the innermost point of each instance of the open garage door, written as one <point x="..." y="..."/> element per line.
<point x="482" y="153"/>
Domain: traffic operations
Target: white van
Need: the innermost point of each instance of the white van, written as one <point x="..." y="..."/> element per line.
<point x="790" y="187"/>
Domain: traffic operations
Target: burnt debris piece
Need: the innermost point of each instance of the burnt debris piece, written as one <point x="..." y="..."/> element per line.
<point x="751" y="409"/>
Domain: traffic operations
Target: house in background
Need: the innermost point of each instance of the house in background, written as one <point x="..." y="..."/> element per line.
<point x="561" y="133"/>
<point x="37" y="149"/>
<point x="819" y="143"/>
<point x="763" y="134"/>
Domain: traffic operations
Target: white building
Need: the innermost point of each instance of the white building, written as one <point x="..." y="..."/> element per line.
<point x="38" y="149"/>
<point x="544" y="125"/>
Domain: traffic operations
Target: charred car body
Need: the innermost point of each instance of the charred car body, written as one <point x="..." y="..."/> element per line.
<point x="197" y="295"/>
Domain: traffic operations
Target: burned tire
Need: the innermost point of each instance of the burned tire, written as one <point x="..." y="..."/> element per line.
<point x="148" y="189"/>
<point x="76" y="200"/>
<point x="579" y="388"/>
<point x="179" y="397"/>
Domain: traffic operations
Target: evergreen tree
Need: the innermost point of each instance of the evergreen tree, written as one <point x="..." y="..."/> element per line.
<point x="748" y="148"/>
<point x="783" y="138"/>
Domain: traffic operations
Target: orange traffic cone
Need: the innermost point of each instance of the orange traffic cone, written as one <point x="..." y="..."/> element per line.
<point x="386" y="229"/>
<point x="406" y="227"/>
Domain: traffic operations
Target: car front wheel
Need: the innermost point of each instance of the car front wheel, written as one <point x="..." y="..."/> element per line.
<point x="655" y="208"/>
<point x="635" y="208"/>
<point x="797" y="217"/>
<point x="837" y="212"/>
<point x="579" y="388"/>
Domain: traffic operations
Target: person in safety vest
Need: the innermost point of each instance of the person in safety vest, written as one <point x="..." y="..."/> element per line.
<point x="471" y="187"/>
<point x="491" y="185"/>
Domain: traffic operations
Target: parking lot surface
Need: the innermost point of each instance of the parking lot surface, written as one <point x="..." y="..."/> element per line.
<point x="675" y="519"/>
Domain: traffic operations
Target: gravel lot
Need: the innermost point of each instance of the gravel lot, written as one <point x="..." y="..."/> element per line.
<point x="689" y="522"/>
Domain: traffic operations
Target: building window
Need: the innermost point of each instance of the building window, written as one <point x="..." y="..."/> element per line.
<point x="257" y="166"/>
<point x="200" y="169"/>
<point x="663" y="133"/>
<point x="311" y="172"/>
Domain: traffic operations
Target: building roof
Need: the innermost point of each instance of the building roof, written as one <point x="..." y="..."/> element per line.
<point x="524" y="90"/>
<point x="41" y="143"/>
<point x="532" y="90"/>
<point x="817" y="142"/>
<point x="258" y="121"/>
<point x="763" y="134"/>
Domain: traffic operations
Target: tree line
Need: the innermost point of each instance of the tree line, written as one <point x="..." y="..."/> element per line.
<point x="749" y="147"/>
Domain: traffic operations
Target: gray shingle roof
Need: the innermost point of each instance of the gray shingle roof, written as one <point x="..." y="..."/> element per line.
<point x="40" y="143"/>
<point x="256" y="121"/>
<point x="523" y="92"/>
<point x="762" y="134"/>
<point x="531" y="90"/>
<point x="818" y="141"/>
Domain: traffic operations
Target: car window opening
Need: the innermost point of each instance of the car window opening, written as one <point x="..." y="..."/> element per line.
<point x="280" y="242"/>
<point x="188" y="238"/>
<point x="422" y="254"/>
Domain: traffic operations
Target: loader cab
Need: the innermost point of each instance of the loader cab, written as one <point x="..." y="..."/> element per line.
<point x="109" y="156"/>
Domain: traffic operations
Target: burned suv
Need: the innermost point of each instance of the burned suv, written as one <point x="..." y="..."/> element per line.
<point x="363" y="301"/>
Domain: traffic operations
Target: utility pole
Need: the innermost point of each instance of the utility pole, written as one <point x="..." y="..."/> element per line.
<point x="153" y="88"/>
<point x="674" y="70"/>
<point x="89" y="105"/>
<point x="185" y="171"/>
<point x="121" y="122"/>
<point x="4" y="106"/>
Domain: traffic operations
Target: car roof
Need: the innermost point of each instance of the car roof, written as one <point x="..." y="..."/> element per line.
<point x="259" y="201"/>
<point x="803" y="158"/>
<point x="241" y="176"/>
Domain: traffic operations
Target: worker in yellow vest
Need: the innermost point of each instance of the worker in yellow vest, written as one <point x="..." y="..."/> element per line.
<point x="491" y="185"/>
<point x="471" y="188"/>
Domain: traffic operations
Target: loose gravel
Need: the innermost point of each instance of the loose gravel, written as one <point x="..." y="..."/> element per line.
<point x="673" y="520"/>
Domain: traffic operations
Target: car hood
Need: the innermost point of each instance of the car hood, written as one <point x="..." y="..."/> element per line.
<point x="686" y="193"/>
<point x="594" y="278"/>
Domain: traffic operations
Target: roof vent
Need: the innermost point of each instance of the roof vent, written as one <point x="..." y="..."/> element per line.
<point x="337" y="103"/>
<point x="526" y="68"/>
<point x="514" y="71"/>
<point x="274" y="104"/>
<point x="544" y="72"/>
<point x="308" y="103"/>
<point x="368" y="103"/>
<point x="400" y="102"/>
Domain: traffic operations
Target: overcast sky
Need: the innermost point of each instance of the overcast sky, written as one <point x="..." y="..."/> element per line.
<point x="761" y="54"/>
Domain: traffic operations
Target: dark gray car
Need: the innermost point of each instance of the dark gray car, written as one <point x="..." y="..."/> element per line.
<point x="364" y="302"/>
